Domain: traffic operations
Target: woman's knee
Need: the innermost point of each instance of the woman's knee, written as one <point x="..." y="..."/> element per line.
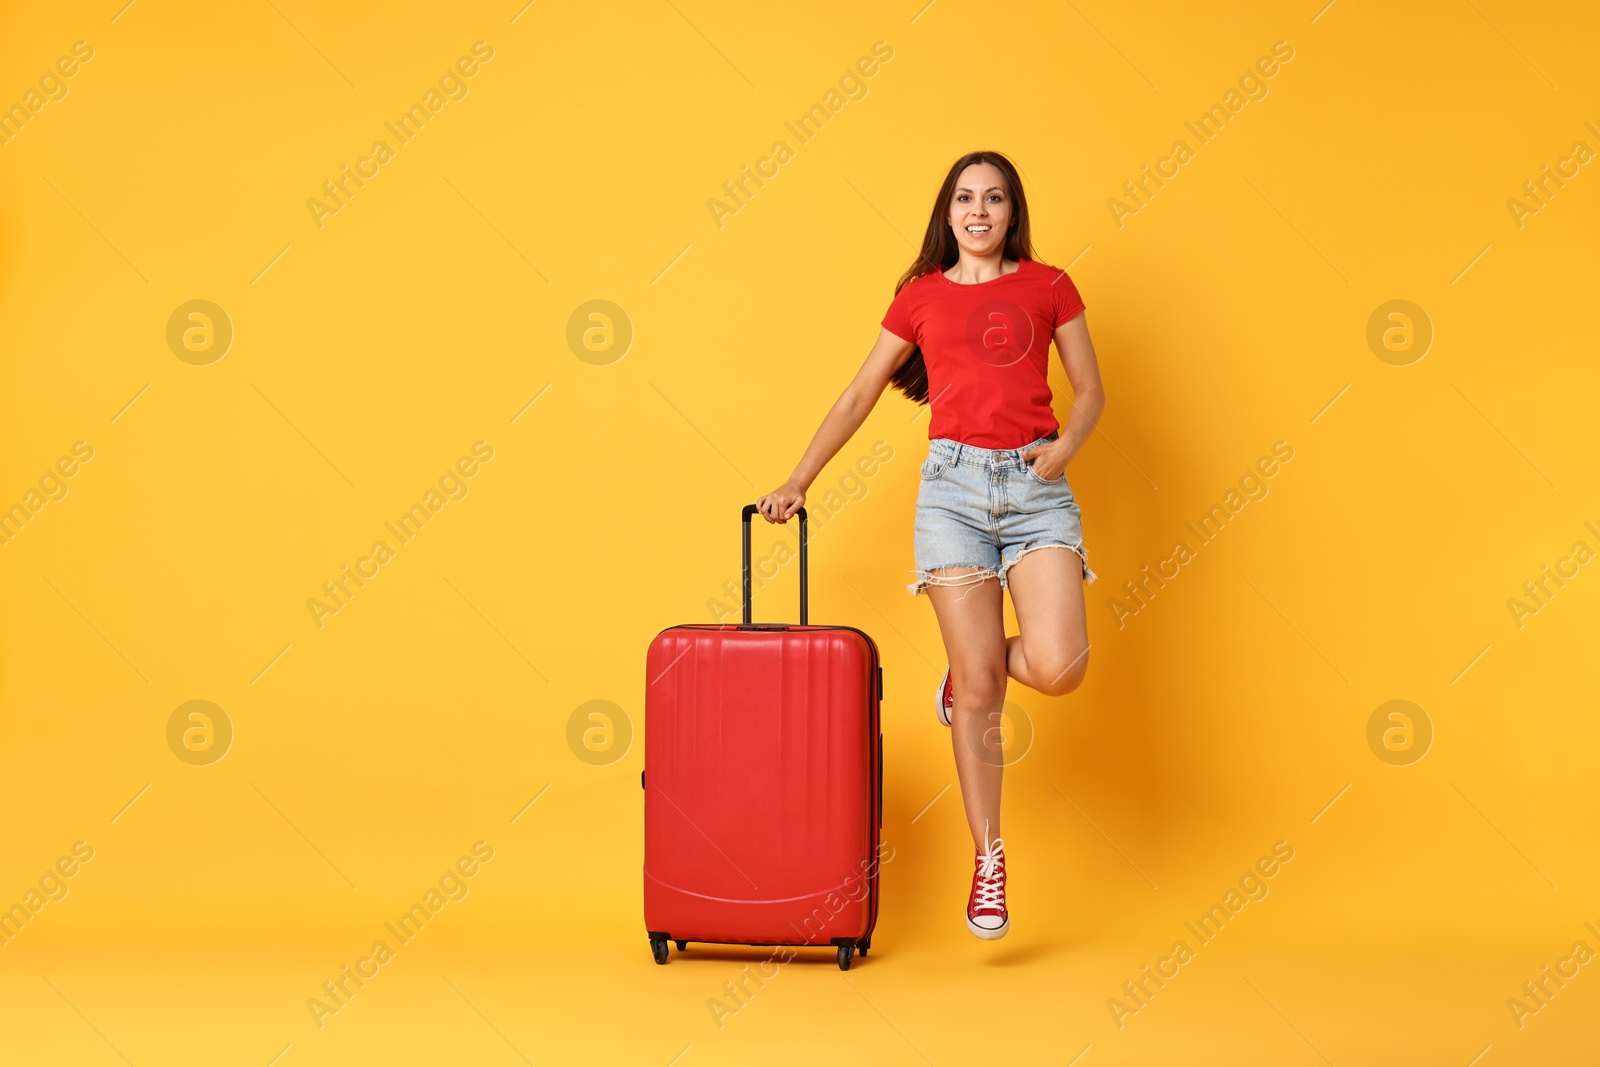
<point x="1058" y="675"/>
<point x="978" y="683"/>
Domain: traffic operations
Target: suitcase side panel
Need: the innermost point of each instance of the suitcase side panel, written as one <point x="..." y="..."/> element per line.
<point x="762" y="793"/>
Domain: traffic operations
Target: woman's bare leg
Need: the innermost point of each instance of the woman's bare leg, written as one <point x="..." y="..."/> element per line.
<point x="1051" y="654"/>
<point x="972" y="623"/>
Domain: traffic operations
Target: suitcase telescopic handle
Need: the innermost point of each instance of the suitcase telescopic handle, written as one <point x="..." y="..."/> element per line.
<point x="749" y="510"/>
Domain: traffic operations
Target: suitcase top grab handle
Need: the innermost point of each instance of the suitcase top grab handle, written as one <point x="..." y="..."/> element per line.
<point x="749" y="510"/>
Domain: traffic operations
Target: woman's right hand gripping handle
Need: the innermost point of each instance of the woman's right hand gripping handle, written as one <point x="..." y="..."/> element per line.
<point x="781" y="504"/>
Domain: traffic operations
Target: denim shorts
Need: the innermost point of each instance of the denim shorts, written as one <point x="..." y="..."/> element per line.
<point x="986" y="508"/>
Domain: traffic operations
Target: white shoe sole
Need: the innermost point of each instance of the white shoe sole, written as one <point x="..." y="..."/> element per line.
<point x="989" y="935"/>
<point x="938" y="700"/>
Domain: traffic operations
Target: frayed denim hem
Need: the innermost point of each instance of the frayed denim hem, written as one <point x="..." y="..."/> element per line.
<point x="980" y="573"/>
<point x="1088" y="575"/>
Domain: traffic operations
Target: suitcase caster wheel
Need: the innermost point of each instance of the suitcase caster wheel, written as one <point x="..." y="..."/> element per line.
<point x="658" y="948"/>
<point x="861" y="949"/>
<point x="682" y="945"/>
<point x="845" y="952"/>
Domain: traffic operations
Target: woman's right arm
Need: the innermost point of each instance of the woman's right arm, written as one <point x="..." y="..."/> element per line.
<point x="842" y="421"/>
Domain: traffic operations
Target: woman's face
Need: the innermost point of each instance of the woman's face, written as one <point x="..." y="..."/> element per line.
<point x="980" y="209"/>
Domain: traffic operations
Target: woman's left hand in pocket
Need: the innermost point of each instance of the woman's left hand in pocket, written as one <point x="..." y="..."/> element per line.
<point x="1048" y="461"/>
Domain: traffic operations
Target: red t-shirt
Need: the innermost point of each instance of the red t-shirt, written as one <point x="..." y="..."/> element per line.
<point x="987" y="349"/>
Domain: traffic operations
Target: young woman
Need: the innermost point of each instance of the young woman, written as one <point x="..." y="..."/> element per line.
<point x="968" y="333"/>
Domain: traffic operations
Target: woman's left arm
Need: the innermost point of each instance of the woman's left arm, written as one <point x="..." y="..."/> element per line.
<point x="1088" y="397"/>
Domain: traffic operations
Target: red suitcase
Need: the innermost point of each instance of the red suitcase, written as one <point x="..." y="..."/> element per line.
<point x="763" y="782"/>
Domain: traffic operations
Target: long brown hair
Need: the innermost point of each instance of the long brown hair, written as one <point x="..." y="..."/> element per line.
<point x="940" y="252"/>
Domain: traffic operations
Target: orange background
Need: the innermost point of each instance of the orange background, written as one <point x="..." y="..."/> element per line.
<point x="435" y="310"/>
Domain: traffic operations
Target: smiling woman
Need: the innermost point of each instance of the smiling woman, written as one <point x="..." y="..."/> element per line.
<point x="968" y="333"/>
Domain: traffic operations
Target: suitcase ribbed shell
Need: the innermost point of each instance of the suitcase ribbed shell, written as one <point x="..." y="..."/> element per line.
<point x="763" y="786"/>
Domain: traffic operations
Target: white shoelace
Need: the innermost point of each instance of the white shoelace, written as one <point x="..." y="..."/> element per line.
<point x="991" y="890"/>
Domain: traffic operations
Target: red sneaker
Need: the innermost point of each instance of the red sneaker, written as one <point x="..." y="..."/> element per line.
<point x="986" y="907"/>
<point x="945" y="699"/>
